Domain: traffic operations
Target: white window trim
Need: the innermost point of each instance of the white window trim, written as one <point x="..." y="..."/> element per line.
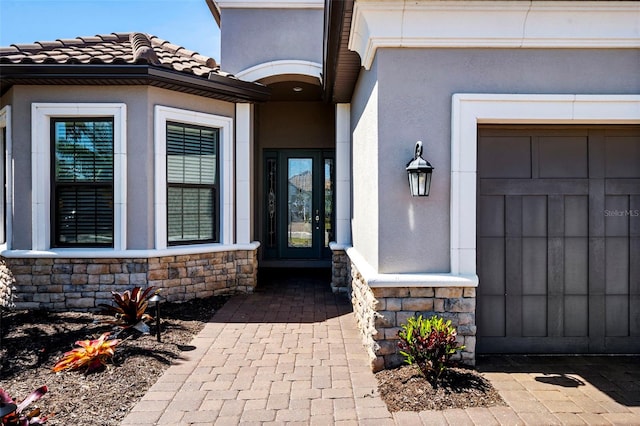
<point x="162" y="114"/>
<point x="469" y="110"/>
<point x="343" y="175"/>
<point x="495" y="24"/>
<point x="5" y="122"/>
<point x="41" y="114"/>
<point x="244" y="169"/>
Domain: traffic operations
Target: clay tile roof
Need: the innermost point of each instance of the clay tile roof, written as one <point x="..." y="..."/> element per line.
<point x="71" y="41"/>
<point x="142" y="49"/>
<point x="8" y="50"/>
<point x="187" y="52"/>
<point x="90" y="39"/>
<point x="29" y="47"/>
<point x="114" y="48"/>
<point x="108" y="37"/>
<point x="49" y="44"/>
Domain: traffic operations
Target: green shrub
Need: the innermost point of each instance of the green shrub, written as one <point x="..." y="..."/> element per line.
<point x="428" y="343"/>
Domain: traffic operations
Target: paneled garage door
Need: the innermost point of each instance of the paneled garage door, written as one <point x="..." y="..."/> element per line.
<point x="558" y="239"/>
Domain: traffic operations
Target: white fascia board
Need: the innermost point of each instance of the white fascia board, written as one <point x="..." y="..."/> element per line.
<point x="492" y="24"/>
<point x="265" y="4"/>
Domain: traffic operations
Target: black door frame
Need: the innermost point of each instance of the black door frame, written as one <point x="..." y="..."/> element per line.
<point x="275" y="247"/>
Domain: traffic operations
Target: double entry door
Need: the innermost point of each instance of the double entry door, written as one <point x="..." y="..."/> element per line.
<point x="299" y="198"/>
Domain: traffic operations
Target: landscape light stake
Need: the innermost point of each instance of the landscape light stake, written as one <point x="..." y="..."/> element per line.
<point x="7" y="408"/>
<point x="157" y="298"/>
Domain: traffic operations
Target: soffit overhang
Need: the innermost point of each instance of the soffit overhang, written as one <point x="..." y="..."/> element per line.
<point x="215" y="87"/>
<point x="341" y="66"/>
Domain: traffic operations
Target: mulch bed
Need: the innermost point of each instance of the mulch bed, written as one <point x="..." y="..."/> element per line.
<point x="405" y="389"/>
<point x="35" y="340"/>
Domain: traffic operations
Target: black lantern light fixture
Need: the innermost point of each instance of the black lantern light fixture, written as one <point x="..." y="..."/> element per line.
<point x="419" y="171"/>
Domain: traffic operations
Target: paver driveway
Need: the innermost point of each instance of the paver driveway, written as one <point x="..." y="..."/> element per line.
<point x="290" y="354"/>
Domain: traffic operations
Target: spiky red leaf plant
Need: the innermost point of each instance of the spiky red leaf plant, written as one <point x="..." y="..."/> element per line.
<point x="15" y="417"/>
<point x="130" y="308"/>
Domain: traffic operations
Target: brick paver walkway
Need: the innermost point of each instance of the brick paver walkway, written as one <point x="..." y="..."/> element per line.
<point x="290" y="354"/>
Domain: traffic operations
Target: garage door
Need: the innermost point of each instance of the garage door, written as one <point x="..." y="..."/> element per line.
<point x="558" y="239"/>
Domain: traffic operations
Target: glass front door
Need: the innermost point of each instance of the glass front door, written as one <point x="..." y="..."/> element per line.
<point x="299" y="199"/>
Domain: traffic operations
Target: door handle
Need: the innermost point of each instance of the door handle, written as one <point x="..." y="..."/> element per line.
<point x="317" y="219"/>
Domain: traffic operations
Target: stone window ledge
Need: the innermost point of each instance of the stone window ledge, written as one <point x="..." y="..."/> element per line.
<point x="374" y="279"/>
<point x="84" y="253"/>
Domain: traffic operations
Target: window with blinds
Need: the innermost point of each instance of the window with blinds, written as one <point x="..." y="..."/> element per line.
<point x="82" y="183"/>
<point x="192" y="184"/>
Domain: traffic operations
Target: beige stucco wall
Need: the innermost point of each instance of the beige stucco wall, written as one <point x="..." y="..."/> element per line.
<point x="400" y="234"/>
<point x="256" y="36"/>
<point x="365" y="167"/>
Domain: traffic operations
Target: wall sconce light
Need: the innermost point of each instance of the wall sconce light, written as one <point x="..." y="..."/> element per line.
<point x="419" y="171"/>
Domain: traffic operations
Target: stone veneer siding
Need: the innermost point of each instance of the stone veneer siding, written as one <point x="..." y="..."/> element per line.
<point x="7" y="288"/>
<point x="380" y="311"/>
<point x="82" y="284"/>
<point x="339" y="271"/>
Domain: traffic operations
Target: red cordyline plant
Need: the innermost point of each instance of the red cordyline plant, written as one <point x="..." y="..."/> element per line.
<point x="91" y="354"/>
<point x="130" y="309"/>
<point x="429" y="343"/>
<point x="13" y="412"/>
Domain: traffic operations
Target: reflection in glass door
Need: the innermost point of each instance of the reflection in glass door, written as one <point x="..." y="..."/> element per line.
<point x="300" y="202"/>
<point x="299" y="198"/>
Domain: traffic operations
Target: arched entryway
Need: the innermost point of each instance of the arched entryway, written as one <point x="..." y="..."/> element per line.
<point x="294" y="153"/>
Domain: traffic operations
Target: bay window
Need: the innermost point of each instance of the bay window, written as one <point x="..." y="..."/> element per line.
<point x="193" y="195"/>
<point x="192" y="184"/>
<point x="79" y="177"/>
<point x="82" y="182"/>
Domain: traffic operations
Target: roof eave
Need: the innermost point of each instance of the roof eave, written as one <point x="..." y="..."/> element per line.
<point x="215" y="10"/>
<point x="341" y="66"/>
<point x="217" y="87"/>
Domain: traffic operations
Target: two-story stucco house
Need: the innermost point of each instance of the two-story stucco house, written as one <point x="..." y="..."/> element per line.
<point x="128" y="160"/>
